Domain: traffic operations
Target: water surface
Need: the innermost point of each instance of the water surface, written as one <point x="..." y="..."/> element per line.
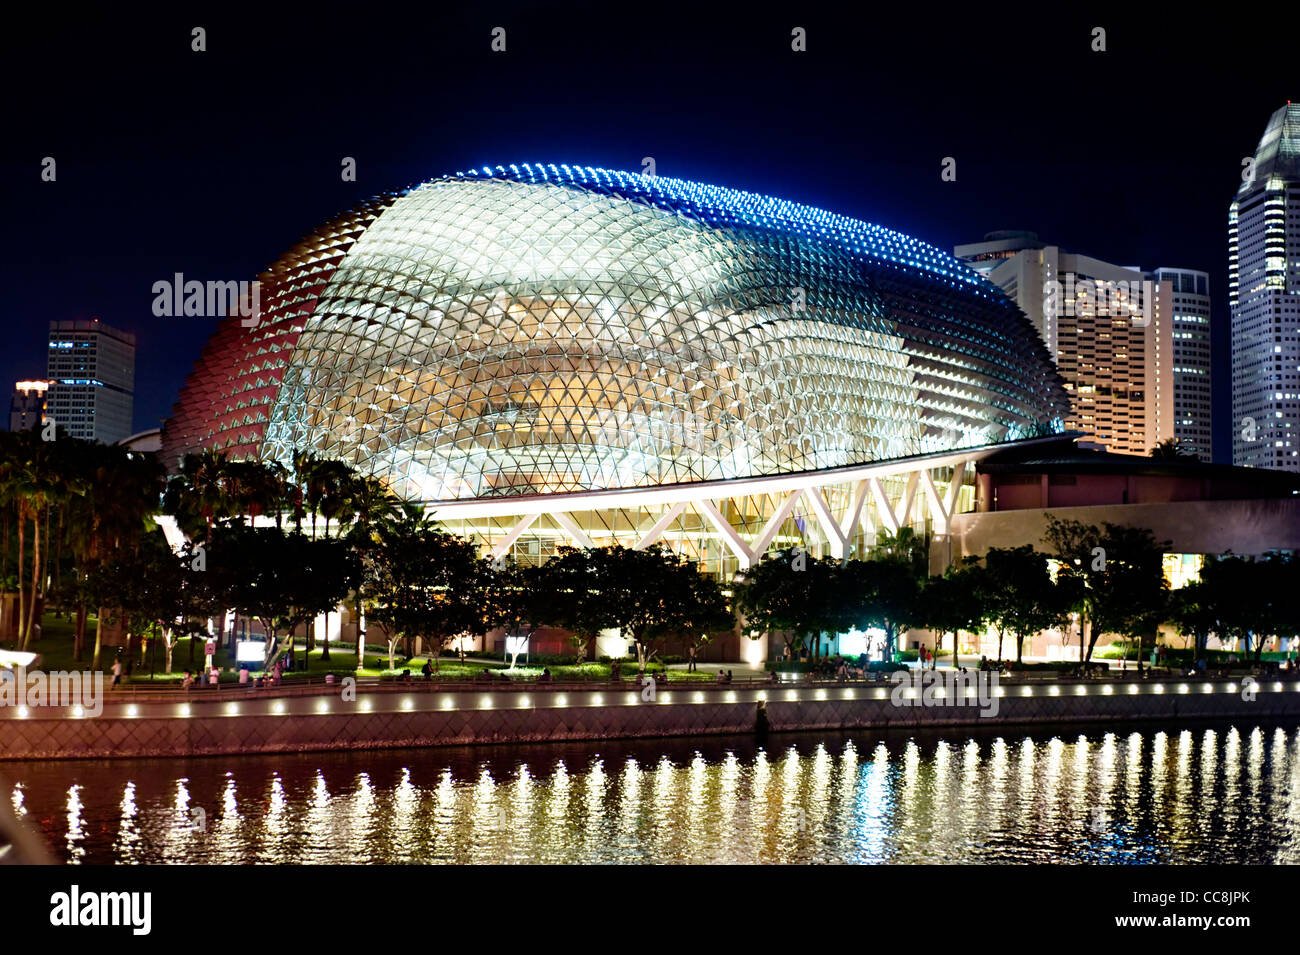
<point x="1198" y="793"/>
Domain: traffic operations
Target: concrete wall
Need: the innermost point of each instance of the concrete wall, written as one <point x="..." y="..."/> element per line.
<point x="245" y="721"/>
<point x="1192" y="527"/>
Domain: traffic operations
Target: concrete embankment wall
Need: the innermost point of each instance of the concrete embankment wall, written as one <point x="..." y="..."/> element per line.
<point x="209" y="722"/>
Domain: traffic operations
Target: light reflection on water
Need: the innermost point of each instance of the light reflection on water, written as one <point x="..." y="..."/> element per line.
<point x="1188" y="795"/>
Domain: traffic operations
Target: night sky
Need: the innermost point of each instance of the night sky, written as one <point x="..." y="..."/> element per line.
<point x="213" y="164"/>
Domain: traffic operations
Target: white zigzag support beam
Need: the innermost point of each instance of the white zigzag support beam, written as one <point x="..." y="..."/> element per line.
<point x="576" y="534"/>
<point x="853" y="519"/>
<point x="909" y="495"/>
<point x="834" y="536"/>
<point x="661" y="525"/>
<point x="729" y="534"/>
<point x="936" y="503"/>
<point x="883" y="508"/>
<point x="954" y="488"/>
<point x="515" y="532"/>
<point x="779" y="517"/>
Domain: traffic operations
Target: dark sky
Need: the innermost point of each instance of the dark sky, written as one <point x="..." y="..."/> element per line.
<point x="213" y="164"/>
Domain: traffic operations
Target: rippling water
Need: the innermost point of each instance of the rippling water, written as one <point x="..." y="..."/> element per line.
<point x="1228" y="793"/>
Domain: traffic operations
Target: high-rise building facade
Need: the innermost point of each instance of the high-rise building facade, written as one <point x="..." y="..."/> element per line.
<point x="91" y="370"/>
<point x="1109" y="328"/>
<point x="1264" y="298"/>
<point x="27" y="407"/>
<point x="1191" y="330"/>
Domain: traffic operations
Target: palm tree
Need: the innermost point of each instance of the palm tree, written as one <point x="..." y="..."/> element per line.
<point x="1169" y="450"/>
<point x="373" y="507"/>
<point x="199" y="495"/>
<point x="333" y="483"/>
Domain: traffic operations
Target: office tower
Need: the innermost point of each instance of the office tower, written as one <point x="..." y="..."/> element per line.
<point x="27" y="407"/>
<point x="1191" y="330"/>
<point x="91" y="368"/>
<point x="1108" y="328"/>
<point x="1264" y="299"/>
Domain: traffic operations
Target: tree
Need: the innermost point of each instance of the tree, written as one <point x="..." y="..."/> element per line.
<point x="1112" y="576"/>
<point x="1169" y="450"/>
<point x="1247" y="599"/>
<point x="881" y="593"/>
<point x="897" y="566"/>
<point x="1193" y="613"/>
<point x="644" y="594"/>
<point x="1020" y="598"/>
<point x="372" y="507"/>
<point x="955" y="601"/>
<point x="567" y="594"/>
<point x="792" y="594"/>
<point x="283" y="579"/>
<point x="156" y="592"/>
<point x="424" y="584"/>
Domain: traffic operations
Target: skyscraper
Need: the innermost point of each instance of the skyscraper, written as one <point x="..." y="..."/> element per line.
<point x="91" y="368"/>
<point x="1191" y="330"/>
<point x="1264" y="298"/>
<point x="1109" y="328"/>
<point x="27" y="407"/>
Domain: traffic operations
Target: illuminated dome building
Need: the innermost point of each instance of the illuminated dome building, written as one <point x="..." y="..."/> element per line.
<point x="561" y="354"/>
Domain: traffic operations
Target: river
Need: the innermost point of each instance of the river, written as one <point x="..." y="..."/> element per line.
<point x="1194" y="793"/>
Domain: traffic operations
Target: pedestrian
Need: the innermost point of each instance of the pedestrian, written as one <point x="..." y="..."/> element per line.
<point x="188" y="681"/>
<point x="117" y="671"/>
<point x="690" y="666"/>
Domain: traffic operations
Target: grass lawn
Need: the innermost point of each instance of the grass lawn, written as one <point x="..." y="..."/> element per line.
<point x="55" y="648"/>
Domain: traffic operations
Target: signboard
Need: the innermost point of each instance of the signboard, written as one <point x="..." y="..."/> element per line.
<point x="250" y="651"/>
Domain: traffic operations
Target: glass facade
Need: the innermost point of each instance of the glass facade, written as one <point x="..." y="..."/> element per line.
<point x="540" y="329"/>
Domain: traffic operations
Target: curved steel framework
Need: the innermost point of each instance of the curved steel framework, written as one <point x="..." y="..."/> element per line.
<point x="526" y="331"/>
